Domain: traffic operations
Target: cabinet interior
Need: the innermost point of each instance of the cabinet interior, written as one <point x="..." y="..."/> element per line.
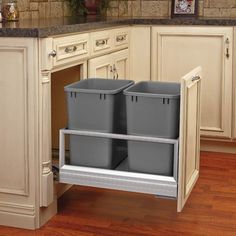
<point x="59" y="80"/>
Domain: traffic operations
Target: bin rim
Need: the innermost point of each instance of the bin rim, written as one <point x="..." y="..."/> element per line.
<point x="69" y="88"/>
<point x="151" y="95"/>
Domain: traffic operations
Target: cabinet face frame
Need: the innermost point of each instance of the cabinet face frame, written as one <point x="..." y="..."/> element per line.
<point x="46" y="67"/>
<point x="140" y="47"/>
<point x="159" y="33"/>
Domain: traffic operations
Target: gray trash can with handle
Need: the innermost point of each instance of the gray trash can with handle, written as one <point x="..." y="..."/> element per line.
<point x="97" y="105"/>
<point x="153" y="109"/>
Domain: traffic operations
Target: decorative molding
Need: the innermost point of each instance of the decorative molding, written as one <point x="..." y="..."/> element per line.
<point x="46" y="175"/>
<point x="45" y="77"/>
<point x="17" y="208"/>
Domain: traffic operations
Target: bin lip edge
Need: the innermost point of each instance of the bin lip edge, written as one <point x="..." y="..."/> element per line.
<point x="151" y="95"/>
<point x="96" y="91"/>
<point x="137" y="94"/>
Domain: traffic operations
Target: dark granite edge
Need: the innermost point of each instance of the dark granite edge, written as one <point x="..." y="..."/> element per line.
<point x="71" y="27"/>
<point x="65" y="29"/>
<point x="185" y="21"/>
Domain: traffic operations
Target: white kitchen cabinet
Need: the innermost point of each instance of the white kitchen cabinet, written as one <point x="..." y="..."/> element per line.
<point x="185" y="158"/>
<point x="176" y="50"/>
<point x="19" y="156"/>
<point x="111" y="66"/>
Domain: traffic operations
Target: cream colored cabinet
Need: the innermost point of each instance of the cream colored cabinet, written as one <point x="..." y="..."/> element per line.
<point x="19" y="170"/>
<point x="176" y="50"/>
<point x="111" y="66"/>
<point x="185" y="157"/>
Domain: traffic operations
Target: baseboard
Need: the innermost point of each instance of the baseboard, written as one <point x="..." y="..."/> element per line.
<point x="216" y="146"/>
<point x="17" y="220"/>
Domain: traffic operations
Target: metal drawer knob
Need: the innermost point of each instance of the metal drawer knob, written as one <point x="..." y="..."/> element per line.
<point x="53" y="53"/>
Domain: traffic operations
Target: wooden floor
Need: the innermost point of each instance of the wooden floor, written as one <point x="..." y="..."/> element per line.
<point x="210" y="210"/>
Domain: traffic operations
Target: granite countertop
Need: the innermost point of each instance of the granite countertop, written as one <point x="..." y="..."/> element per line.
<point x="55" y="26"/>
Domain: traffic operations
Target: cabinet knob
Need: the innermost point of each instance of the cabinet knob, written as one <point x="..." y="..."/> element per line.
<point x="53" y="53"/>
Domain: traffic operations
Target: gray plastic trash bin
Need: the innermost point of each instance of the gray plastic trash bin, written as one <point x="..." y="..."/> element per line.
<point x="152" y="158"/>
<point x="97" y="105"/>
<point x="152" y="110"/>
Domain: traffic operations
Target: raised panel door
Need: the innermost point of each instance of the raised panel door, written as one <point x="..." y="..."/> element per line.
<point x="100" y="67"/>
<point x="121" y="62"/>
<point x="189" y="145"/>
<point x="177" y="50"/>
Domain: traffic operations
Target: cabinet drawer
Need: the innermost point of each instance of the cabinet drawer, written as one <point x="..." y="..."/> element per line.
<point x="121" y="38"/>
<point x="70" y="48"/>
<point x="101" y="42"/>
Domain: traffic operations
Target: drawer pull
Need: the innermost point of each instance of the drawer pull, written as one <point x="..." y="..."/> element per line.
<point x="120" y="38"/>
<point x="196" y="78"/>
<point x="227" y="48"/>
<point x="53" y="53"/>
<point x="101" y="42"/>
<point x="70" y="49"/>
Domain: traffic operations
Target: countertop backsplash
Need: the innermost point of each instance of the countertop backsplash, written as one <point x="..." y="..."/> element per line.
<point x="33" y="9"/>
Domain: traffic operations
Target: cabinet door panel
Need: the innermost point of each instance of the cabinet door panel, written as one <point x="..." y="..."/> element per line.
<point x="19" y="132"/>
<point x="180" y="49"/>
<point x="189" y="153"/>
<point x="100" y="67"/>
<point x="121" y="61"/>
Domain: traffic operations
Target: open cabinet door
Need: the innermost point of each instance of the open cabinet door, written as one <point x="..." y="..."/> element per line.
<point x="189" y="151"/>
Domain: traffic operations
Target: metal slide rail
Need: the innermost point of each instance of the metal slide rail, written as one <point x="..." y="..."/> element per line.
<point x="117" y="179"/>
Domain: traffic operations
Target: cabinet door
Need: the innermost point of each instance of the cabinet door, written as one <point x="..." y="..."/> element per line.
<point x="189" y="140"/>
<point x="19" y="132"/>
<point x="121" y="62"/>
<point x="101" y="67"/>
<point x="177" y="50"/>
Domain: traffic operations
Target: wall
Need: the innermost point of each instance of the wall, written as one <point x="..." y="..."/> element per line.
<point x="43" y="8"/>
<point x="162" y="8"/>
<point x="135" y="8"/>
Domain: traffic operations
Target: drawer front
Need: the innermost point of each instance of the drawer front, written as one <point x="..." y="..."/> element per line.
<point x="121" y="38"/>
<point x="70" y="48"/>
<point x="101" y="42"/>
